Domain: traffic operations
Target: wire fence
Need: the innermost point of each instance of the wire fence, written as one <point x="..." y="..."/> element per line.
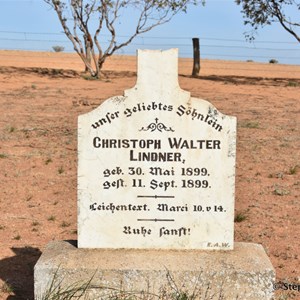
<point x="210" y="48"/>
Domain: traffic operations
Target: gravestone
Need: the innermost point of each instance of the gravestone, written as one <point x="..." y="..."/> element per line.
<point x="156" y="175"/>
<point x="156" y="167"/>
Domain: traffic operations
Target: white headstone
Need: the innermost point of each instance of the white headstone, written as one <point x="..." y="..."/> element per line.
<point x="156" y="167"/>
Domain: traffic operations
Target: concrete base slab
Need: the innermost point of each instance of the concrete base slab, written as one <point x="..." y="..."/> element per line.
<point x="243" y="273"/>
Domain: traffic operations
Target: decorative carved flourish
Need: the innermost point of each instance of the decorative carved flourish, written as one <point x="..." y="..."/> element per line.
<point x="156" y="126"/>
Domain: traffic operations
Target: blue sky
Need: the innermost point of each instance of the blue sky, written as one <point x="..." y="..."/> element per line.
<point x="33" y="25"/>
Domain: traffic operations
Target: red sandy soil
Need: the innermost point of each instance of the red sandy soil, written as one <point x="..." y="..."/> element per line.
<point x="41" y="96"/>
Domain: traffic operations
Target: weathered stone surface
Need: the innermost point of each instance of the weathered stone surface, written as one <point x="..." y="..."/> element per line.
<point x="244" y="273"/>
<point x="156" y="167"/>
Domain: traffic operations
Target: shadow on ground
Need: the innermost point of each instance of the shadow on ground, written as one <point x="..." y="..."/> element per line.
<point x="17" y="272"/>
<point x="248" y="80"/>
